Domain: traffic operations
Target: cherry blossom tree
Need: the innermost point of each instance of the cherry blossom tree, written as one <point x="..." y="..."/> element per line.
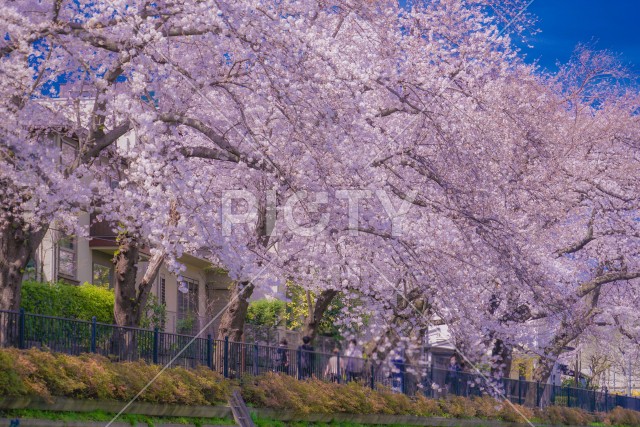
<point x="407" y="158"/>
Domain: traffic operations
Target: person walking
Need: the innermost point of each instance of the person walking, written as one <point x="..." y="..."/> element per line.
<point x="335" y="367"/>
<point x="355" y="362"/>
<point x="307" y="357"/>
<point x="452" y="377"/>
<point x="283" y="357"/>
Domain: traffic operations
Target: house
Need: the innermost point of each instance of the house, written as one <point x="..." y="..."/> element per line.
<point x="79" y="259"/>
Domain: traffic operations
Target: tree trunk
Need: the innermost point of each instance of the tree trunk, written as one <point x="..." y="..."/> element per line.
<point x="126" y="310"/>
<point x="232" y="321"/>
<point x="567" y="332"/>
<point x="144" y="288"/>
<point x="502" y="354"/>
<point x="130" y="298"/>
<point x="314" y="317"/>
<point x="545" y="366"/>
<point x="541" y="375"/>
<point x="17" y="242"/>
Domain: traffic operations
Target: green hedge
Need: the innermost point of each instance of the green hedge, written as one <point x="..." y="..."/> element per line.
<point x="69" y="301"/>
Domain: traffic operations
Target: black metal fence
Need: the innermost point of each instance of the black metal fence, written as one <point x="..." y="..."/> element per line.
<point x="231" y="359"/>
<point x="267" y="335"/>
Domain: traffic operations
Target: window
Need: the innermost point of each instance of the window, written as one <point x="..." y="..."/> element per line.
<point x="162" y="293"/>
<point x="67" y="257"/>
<point x="188" y="301"/>
<point x="102" y="275"/>
<point x="187" y="306"/>
<point x="30" y="270"/>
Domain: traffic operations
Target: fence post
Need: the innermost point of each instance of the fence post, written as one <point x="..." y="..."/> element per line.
<point x="255" y="359"/>
<point x="299" y="362"/>
<point x="338" y="368"/>
<point x="519" y="391"/>
<point x="93" y="334"/>
<point x="568" y="397"/>
<point x="538" y="403"/>
<point x="156" y="344"/>
<point x="373" y="378"/>
<point x="209" y="351"/>
<point x="226" y="357"/>
<point x="21" y="323"/>
<point x="404" y="380"/>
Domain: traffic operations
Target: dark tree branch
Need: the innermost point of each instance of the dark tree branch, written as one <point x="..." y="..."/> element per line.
<point x="582" y="243"/>
<point x="596" y="283"/>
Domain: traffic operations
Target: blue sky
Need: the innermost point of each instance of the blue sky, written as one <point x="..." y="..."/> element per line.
<point x="612" y="24"/>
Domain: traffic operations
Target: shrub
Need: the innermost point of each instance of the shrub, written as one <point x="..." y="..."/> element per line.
<point x="11" y="383"/>
<point x="515" y="413"/>
<point x="282" y="392"/>
<point x="274" y="391"/>
<point x="266" y="312"/>
<point x="458" y="407"/>
<point x="82" y="303"/>
<point x="40" y="373"/>
<point x="567" y="416"/>
<point x="69" y="301"/>
<point x="623" y="417"/>
<point x="186" y="325"/>
<point x="487" y="407"/>
<point x="427" y="407"/>
<point x="396" y="403"/>
<point x="155" y="314"/>
<point x="44" y="374"/>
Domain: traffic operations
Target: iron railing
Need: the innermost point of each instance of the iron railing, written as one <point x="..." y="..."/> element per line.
<point x="235" y="359"/>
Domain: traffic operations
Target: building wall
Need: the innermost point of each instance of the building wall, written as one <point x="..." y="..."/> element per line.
<point x="218" y="291"/>
<point x="45" y="259"/>
<point x="172" y="294"/>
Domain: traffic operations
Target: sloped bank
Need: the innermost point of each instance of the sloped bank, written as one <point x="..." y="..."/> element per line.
<point x="224" y="412"/>
<point x="43" y="380"/>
